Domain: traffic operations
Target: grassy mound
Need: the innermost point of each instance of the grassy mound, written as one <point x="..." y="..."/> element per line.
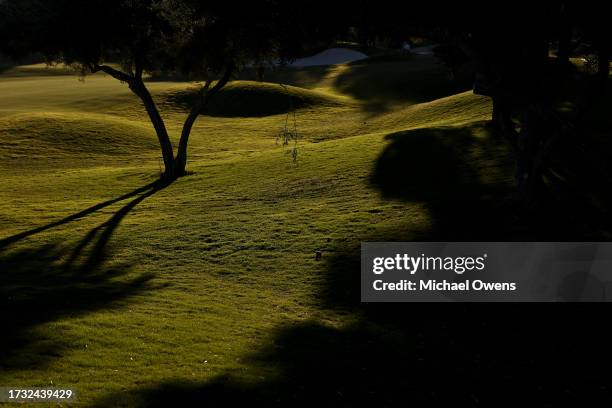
<point x="256" y="99"/>
<point x="51" y="135"/>
<point x="383" y="85"/>
<point x="454" y="110"/>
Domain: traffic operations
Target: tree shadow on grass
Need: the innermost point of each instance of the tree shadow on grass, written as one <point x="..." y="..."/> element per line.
<point x="416" y="354"/>
<point x="465" y="178"/>
<point x="461" y="174"/>
<point x="146" y="191"/>
<point x="457" y="355"/>
<point x="474" y="355"/>
<point x="54" y="281"/>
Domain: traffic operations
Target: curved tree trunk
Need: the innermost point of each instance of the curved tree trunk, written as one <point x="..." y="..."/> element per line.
<point x="173" y="168"/>
<point x="205" y="94"/>
<point x="180" y="163"/>
<point x="137" y="86"/>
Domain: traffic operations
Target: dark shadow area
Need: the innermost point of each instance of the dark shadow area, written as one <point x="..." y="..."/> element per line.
<point x="307" y="77"/>
<point x="5" y="68"/>
<point x="148" y="189"/>
<point x="430" y="164"/>
<point x="53" y="281"/>
<point x="456" y="355"/>
<point x="381" y="83"/>
<point x="465" y="176"/>
<point x="19" y="71"/>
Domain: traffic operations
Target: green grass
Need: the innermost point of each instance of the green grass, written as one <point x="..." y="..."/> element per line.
<point x="257" y="99"/>
<point x="55" y="135"/>
<point x="208" y="289"/>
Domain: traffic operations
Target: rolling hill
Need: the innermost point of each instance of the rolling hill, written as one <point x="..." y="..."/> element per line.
<point x="134" y="293"/>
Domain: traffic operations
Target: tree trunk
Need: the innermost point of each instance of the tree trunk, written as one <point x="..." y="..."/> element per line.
<point x="204" y="96"/>
<point x="180" y="163"/>
<point x="138" y="87"/>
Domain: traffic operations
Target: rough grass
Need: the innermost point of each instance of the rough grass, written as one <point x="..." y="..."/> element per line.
<point x="51" y="135"/>
<point x="207" y="291"/>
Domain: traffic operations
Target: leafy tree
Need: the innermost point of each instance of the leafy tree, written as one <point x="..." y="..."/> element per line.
<point x="128" y="38"/>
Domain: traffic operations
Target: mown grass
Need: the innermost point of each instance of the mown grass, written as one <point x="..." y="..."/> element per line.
<point x="207" y="290"/>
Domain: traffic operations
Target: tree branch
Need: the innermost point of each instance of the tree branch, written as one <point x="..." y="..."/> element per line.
<point x="138" y="71"/>
<point x="203" y="91"/>
<point x="121" y="76"/>
<point x="207" y="85"/>
<point x="229" y="70"/>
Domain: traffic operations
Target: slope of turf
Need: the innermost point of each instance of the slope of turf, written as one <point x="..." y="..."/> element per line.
<point x="53" y="135"/>
<point x="137" y="293"/>
<point x="256" y="99"/>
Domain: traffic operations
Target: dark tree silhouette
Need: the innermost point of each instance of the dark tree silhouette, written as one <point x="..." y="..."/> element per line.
<point x="519" y="53"/>
<point x="528" y="82"/>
